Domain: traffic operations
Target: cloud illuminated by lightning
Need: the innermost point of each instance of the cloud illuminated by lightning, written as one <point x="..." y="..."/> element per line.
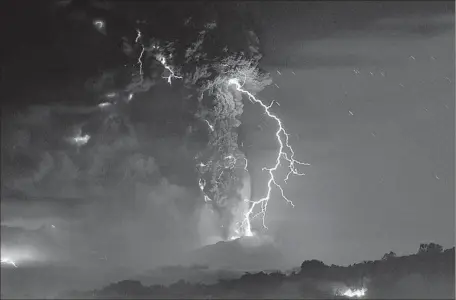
<point x="202" y="185"/>
<point x="167" y="67"/>
<point x="100" y="25"/>
<point x="285" y="152"/>
<point x="160" y="57"/>
<point x="104" y="104"/>
<point x="79" y="140"/>
<point x="8" y="261"/>
<point x="354" y="293"/>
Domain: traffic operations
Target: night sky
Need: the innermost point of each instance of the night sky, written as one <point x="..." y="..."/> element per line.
<point x="366" y="90"/>
<point x="371" y="107"/>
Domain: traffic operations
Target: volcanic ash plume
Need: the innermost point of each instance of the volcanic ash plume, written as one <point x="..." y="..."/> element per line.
<point x="240" y="210"/>
<point x="222" y="166"/>
<point x="216" y="103"/>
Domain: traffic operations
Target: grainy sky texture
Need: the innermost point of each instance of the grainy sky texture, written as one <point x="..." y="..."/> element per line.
<point x="366" y="90"/>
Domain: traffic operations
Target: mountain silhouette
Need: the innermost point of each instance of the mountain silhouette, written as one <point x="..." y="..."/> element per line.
<point x="242" y="254"/>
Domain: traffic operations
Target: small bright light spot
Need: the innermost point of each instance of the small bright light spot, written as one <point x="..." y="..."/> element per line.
<point x="99" y="24"/>
<point x="79" y="140"/>
<point x="233" y="81"/>
<point x="353" y="293"/>
<point x="104" y="104"/>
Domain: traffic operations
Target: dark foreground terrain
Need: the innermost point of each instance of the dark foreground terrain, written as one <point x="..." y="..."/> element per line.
<point x="427" y="274"/>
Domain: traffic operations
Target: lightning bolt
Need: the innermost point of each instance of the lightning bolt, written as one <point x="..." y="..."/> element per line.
<point x="159" y="57"/>
<point x="211" y="127"/>
<point x="202" y="184"/>
<point x="285" y="152"/>
<point x="140" y="63"/>
<point x="8" y="261"/>
<point x="167" y="67"/>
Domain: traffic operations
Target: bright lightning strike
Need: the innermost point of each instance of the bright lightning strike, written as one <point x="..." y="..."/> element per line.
<point x="104" y="104"/>
<point x="171" y="75"/>
<point x="137" y="39"/>
<point x="285" y="152"/>
<point x="159" y="57"/>
<point x="211" y="127"/>
<point x="138" y="36"/>
<point x="8" y="261"/>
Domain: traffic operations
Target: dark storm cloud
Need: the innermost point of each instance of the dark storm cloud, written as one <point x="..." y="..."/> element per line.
<point x="37" y="148"/>
<point x="312" y="60"/>
<point x="300" y="54"/>
<point x="285" y="42"/>
<point x="18" y="196"/>
<point x="325" y="18"/>
<point x="115" y="190"/>
<point x="413" y="26"/>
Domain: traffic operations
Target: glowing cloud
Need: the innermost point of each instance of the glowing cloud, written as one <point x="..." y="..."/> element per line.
<point x="354" y="293"/>
<point x="8" y="261"/>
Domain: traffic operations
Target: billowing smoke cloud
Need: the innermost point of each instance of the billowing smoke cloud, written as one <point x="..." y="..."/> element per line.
<point x="222" y="165"/>
<point x="122" y="176"/>
<point x="107" y="198"/>
<point x="200" y="58"/>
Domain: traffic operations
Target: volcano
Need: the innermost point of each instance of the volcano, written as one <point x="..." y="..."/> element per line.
<point x="223" y="260"/>
<point x="243" y="254"/>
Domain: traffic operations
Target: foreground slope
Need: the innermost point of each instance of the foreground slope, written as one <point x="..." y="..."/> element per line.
<point x="428" y="274"/>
